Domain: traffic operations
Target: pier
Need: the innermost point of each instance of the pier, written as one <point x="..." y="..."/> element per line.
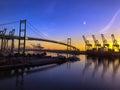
<point x="22" y="62"/>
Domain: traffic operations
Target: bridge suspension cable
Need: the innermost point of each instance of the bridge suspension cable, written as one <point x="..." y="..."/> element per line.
<point x="21" y="30"/>
<point x="9" y="23"/>
<point x="35" y="30"/>
<point x="10" y="26"/>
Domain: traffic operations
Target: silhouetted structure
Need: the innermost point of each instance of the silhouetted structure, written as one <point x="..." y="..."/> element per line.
<point x="97" y="44"/>
<point x="88" y="46"/>
<point x="22" y="39"/>
<point x="68" y="43"/>
<point x="11" y="34"/>
<point x="68" y="47"/>
<point x="3" y="40"/>
<point x="115" y="43"/>
<point x="105" y="43"/>
<point x="22" y="33"/>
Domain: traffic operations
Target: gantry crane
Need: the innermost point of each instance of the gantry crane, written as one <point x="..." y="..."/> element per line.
<point x="97" y="44"/>
<point x="115" y="43"/>
<point x="88" y="46"/>
<point x="105" y="43"/>
<point x="11" y="34"/>
<point x="2" y="34"/>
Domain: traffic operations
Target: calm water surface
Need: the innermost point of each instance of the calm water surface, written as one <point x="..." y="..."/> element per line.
<point x="88" y="73"/>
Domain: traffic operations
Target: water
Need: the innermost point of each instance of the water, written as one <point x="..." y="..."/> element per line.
<point x="88" y="73"/>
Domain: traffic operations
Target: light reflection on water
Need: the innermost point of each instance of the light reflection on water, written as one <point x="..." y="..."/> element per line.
<point x="88" y="73"/>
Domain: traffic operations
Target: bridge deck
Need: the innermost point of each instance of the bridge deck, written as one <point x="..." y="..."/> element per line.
<point x="38" y="39"/>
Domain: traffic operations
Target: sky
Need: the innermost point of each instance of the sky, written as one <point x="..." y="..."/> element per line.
<point x="61" y="19"/>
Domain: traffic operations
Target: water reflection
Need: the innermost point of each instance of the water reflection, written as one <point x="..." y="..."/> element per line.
<point x="68" y="65"/>
<point x="88" y="73"/>
<point x="104" y="64"/>
<point x="23" y="72"/>
<point x="20" y="81"/>
<point x="88" y="63"/>
<point x="19" y="75"/>
<point x="116" y="65"/>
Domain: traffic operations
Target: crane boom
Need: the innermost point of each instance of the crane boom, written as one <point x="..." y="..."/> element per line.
<point x="11" y="33"/>
<point x="86" y="41"/>
<point x="3" y="32"/>
<point x="95" y="40"/>
<point x="114" y="40"/>
<point x="105" y="43"/>
<point x="103" y="39"/>
<point x="115" y="43"/>
<point x="87" y="44"/>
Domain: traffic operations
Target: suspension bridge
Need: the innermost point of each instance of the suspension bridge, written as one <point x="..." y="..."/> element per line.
<point x="22" y="37"/>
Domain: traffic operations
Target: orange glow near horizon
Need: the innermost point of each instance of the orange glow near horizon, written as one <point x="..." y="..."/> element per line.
<point x="78" y="42"/>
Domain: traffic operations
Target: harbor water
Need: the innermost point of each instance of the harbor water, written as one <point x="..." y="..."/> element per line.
<point x="88" y="73"/>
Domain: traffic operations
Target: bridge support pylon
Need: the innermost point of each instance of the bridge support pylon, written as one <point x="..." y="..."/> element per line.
<point x="68" y="46"/>
<point x="22" y="37"/>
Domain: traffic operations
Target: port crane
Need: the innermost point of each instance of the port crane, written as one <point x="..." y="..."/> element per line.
<point x="97" y="44"/>
<point x="88" y="46"/>
<point x="105" y="43"/>
<point x="11" y="34"/>
<point x="115" y="43"/>
<point x="4" y="41"/>
<point x="2" y="33"/>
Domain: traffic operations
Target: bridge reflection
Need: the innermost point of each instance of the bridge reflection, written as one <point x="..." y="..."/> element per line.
<point x="19" y="75"/>
<point x="26" y="71"/>
<point x="104" y="66"/>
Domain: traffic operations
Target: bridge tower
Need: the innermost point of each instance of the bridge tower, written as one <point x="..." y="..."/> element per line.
<point x="22" y="33"/>
<point x="68" y="46"/>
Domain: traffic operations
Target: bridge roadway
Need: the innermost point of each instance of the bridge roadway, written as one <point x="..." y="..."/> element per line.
<point x="39" y="39"/>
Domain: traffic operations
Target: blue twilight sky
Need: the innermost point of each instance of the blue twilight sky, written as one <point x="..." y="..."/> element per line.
<point x="59" y="19"/>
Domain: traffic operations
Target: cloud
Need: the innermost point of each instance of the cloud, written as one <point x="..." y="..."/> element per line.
<point x="107" y="27"/>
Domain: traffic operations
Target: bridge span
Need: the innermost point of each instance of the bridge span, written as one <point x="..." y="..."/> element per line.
<point x="22" y="38"/>
<point x="52" y="41"/>
<point x="39" y="39"/>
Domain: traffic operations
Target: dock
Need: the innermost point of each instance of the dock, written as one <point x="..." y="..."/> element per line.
<point x="22" y="62"/>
